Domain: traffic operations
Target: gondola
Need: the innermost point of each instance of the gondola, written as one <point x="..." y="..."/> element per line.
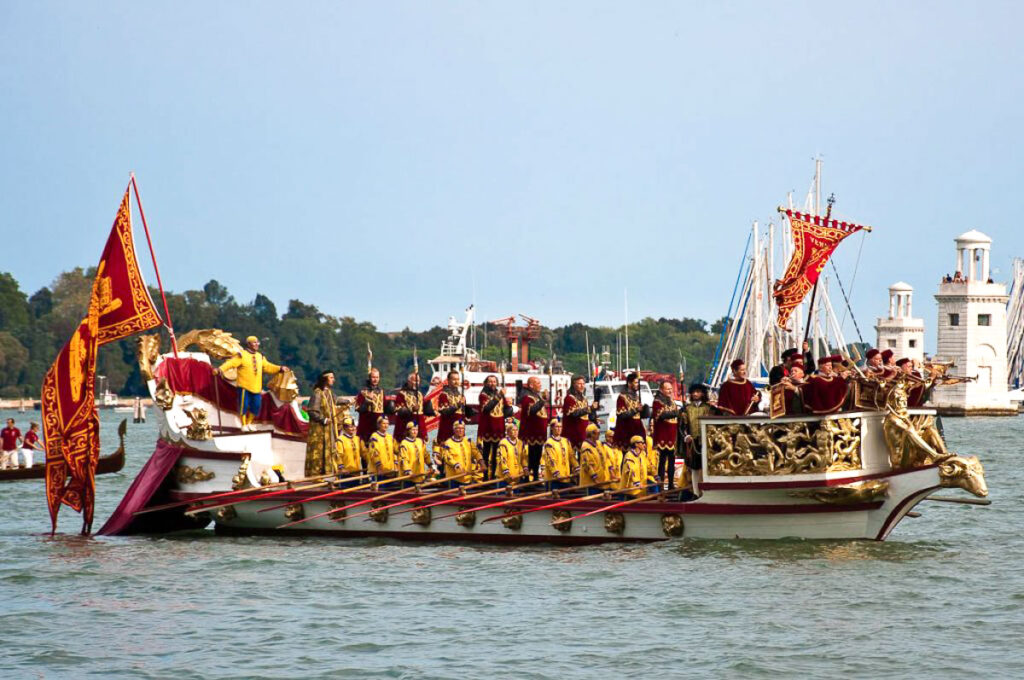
<point x="111" y="463"/>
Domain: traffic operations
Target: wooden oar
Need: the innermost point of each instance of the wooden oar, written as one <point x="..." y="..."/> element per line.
<point x="508" y="501"/>
<point x="244" y="499"/>
<point x="570" y="501"/>
<point x="415" y="499"/>
<point x="458" y="499"/>
<point x="334" y="492"/>
<point x="611" y="507"/>
<point x="461" y="491"/>
<point x="357" y="503"/>
<point x="225" y="494"/>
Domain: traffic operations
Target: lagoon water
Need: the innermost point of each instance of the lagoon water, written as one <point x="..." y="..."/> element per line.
<point x="944" y="597"/>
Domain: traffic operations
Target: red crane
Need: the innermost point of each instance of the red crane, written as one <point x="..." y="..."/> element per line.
<point x="519" y="337"/>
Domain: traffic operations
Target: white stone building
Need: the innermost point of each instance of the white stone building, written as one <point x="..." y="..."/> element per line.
<point x="901" y="331"/>
<point x="971" y="333"/>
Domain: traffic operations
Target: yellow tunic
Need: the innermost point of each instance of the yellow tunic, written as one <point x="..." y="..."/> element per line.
<point x="557" y="458"/>
<point x="593" y="469"/>
<point x="412" y="457"/>
<point x="381" y="452"/>
<point x="351" y="454"/>
<point x="634" y="474"/>
<point x="652" y="457"/>
<point x="510" y="460"/>
<point x="459" y="455"/>
<point x="613" y="461"/>
<point x="251" y="367"/>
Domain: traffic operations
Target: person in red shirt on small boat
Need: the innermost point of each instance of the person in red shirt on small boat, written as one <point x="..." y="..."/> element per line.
<point x="30" y="444"/>
<point x="737" y="396"/>
<point x="10" y="437"/>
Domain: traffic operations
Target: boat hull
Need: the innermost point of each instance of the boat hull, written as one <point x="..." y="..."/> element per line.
<point x="753" y="514"/>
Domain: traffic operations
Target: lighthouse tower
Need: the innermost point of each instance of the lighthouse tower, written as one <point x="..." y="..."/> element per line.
<point x="901" y="331"/>
<point x="972" y="333"/>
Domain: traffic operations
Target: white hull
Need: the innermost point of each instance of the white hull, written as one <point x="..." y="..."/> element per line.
<point x="714" y="516"/>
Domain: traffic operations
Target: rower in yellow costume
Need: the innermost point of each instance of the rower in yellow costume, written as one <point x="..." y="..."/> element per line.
<point x="381" y="451"/>
<point x="509" y="467"/>
<point x="251" y="365"/>
<point x="636" y="480"/>
<point x="459" y="455"/>
<point x="557" y="458"/>
<point x="612" y="456"/>
<point x="412" y="455"/>
<point x="351" y="451"/>
<point x="593" y="468"/>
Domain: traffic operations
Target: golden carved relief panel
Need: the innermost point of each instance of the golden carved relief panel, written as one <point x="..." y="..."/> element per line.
<point x="767" y="448"/>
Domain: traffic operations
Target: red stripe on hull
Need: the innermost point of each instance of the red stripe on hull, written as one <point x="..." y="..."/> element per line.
<point x="890" y="521"/>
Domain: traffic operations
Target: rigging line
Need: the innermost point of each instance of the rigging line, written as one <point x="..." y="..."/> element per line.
<point x="739" y="276"/>
<point x="853" y="279"/>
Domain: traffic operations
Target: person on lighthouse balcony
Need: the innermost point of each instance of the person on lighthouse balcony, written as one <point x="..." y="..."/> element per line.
<point x="737" y="396"/>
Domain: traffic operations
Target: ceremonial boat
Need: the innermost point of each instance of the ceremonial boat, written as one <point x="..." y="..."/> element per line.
<point x="850" y="475"/>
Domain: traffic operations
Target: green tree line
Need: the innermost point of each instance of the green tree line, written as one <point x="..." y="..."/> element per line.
<point x="34" y="327"/>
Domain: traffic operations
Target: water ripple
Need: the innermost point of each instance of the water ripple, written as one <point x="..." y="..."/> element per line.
<point x="944" y="597"/>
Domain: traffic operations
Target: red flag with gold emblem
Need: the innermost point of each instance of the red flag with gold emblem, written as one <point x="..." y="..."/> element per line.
<point x="814" y="240"/>
<point x="120" y="305"/>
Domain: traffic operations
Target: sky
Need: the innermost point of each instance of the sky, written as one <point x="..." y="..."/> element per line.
<point x="396" y="161"/>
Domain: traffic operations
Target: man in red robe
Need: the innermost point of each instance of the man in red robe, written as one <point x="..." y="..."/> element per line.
<point x="577" y="413"/>
<point x="629" y="414"/>
<point x="919" y="390"/>
<point x="451" y="405"/>
<point x="533" y="424"/>
<point x="491" y="424"/>
<point x="792" y="387"/>
<point x="370" y="406"/>
<point x="665" y="419"/>
<point x="874" y="365"/>
<point x="737" y="396"/>
<point x="825" y="392"/>
<point x="409" y="408"/>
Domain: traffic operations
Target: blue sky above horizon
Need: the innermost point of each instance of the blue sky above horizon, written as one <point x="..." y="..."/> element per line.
<point x="381" y="160"/>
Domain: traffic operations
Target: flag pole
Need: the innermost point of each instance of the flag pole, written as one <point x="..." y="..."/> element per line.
<point x="167" y="312"/>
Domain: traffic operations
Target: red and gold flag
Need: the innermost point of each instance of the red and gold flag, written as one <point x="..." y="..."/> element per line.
<point x="119" y="306"/>
<point x="814" y="240"/>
